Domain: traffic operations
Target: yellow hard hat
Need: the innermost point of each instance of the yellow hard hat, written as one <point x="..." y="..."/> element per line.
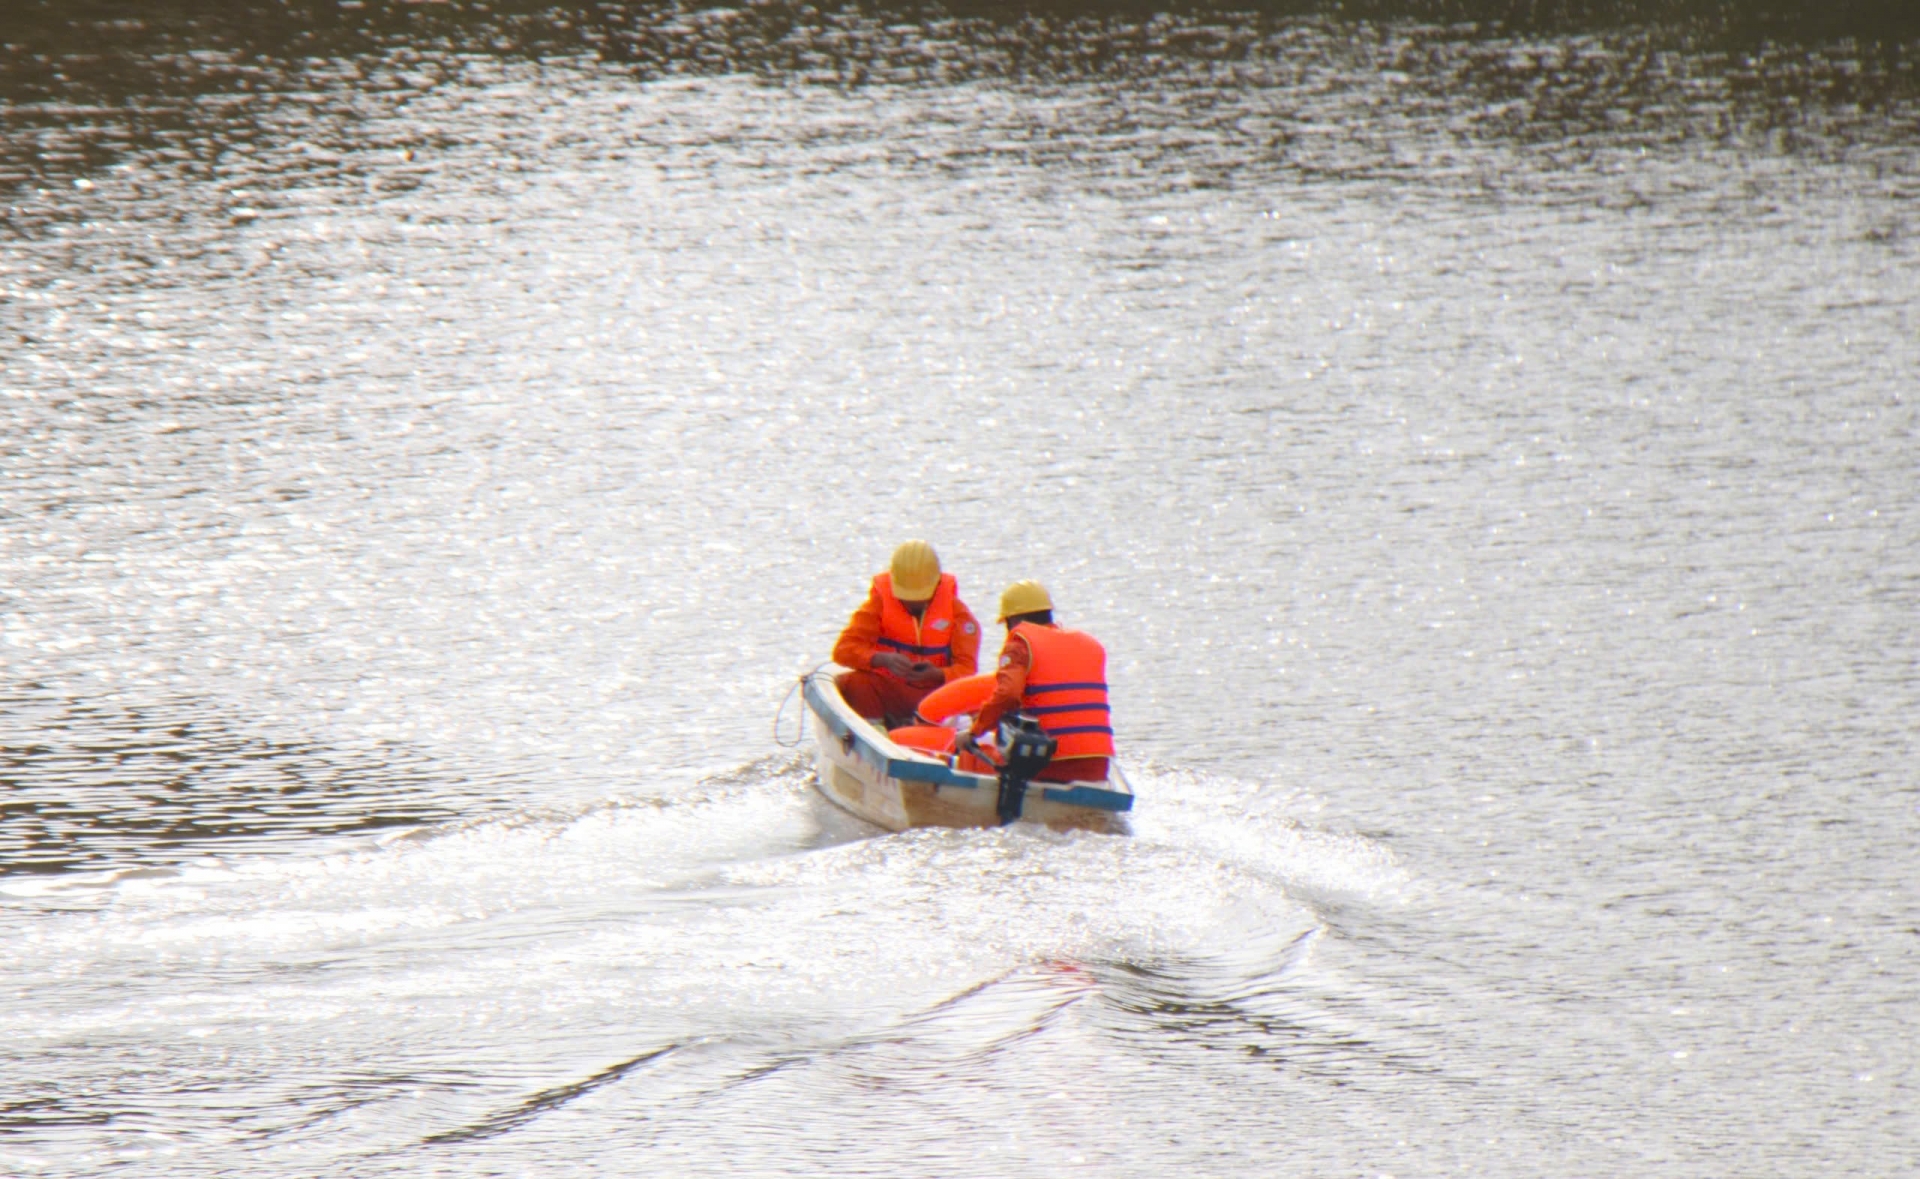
<point x="1024" y="597"/>
<point x="916" y="571"/>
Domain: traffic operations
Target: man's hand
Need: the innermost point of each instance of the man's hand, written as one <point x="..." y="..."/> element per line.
<point x="895" y="663"/>
<point x="924" y="675"/>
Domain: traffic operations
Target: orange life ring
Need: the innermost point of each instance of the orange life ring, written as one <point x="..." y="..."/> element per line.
<point x="974" y="765"/>
<point x="961" y="695"/>
<point x="926" y="738"/>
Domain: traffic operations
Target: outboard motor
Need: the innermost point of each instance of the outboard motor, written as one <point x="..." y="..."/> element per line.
<point x="1025" y="750"/>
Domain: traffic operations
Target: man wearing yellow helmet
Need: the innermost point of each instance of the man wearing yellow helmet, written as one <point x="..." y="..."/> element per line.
<point x="911" y="635"/>
<point x="1058" y="677"/>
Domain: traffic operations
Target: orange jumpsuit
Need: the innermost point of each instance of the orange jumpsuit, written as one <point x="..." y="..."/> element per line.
<point x="1009" y="692"/>
<point x="947" y="635"/>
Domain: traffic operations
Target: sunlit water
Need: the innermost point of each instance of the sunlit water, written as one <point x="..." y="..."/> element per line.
<point x="431" y="447"/>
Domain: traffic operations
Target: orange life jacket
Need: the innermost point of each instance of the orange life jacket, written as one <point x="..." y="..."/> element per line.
<point x="1067" y="689"/>
<point x="928" y="637"/>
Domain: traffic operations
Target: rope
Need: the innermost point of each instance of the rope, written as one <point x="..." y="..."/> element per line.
<point x="800" y="733"/>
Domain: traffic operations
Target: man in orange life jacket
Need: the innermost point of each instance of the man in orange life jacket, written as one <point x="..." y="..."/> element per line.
<point x="911" y="635"/>
<point x="1058" y="677"/>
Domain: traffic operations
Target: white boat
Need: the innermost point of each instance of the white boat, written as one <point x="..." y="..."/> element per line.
<point x="897" y="786"/>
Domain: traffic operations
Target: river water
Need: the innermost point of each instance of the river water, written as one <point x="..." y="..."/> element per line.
<point x="434" y="438"/>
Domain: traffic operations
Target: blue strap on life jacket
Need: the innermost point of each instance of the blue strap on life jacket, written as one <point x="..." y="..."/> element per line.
<point x="945" y="649"/>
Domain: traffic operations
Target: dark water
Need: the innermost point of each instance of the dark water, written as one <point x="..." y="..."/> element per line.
<point x="434" y="436"/>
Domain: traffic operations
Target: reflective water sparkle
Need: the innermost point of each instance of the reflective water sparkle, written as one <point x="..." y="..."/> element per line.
<point x="433" y="440"/>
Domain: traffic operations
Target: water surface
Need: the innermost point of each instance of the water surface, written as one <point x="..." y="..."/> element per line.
<point x="434" y="439"/>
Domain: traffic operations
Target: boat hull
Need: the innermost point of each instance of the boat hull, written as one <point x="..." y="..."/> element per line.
<point x="896" y="787"/>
